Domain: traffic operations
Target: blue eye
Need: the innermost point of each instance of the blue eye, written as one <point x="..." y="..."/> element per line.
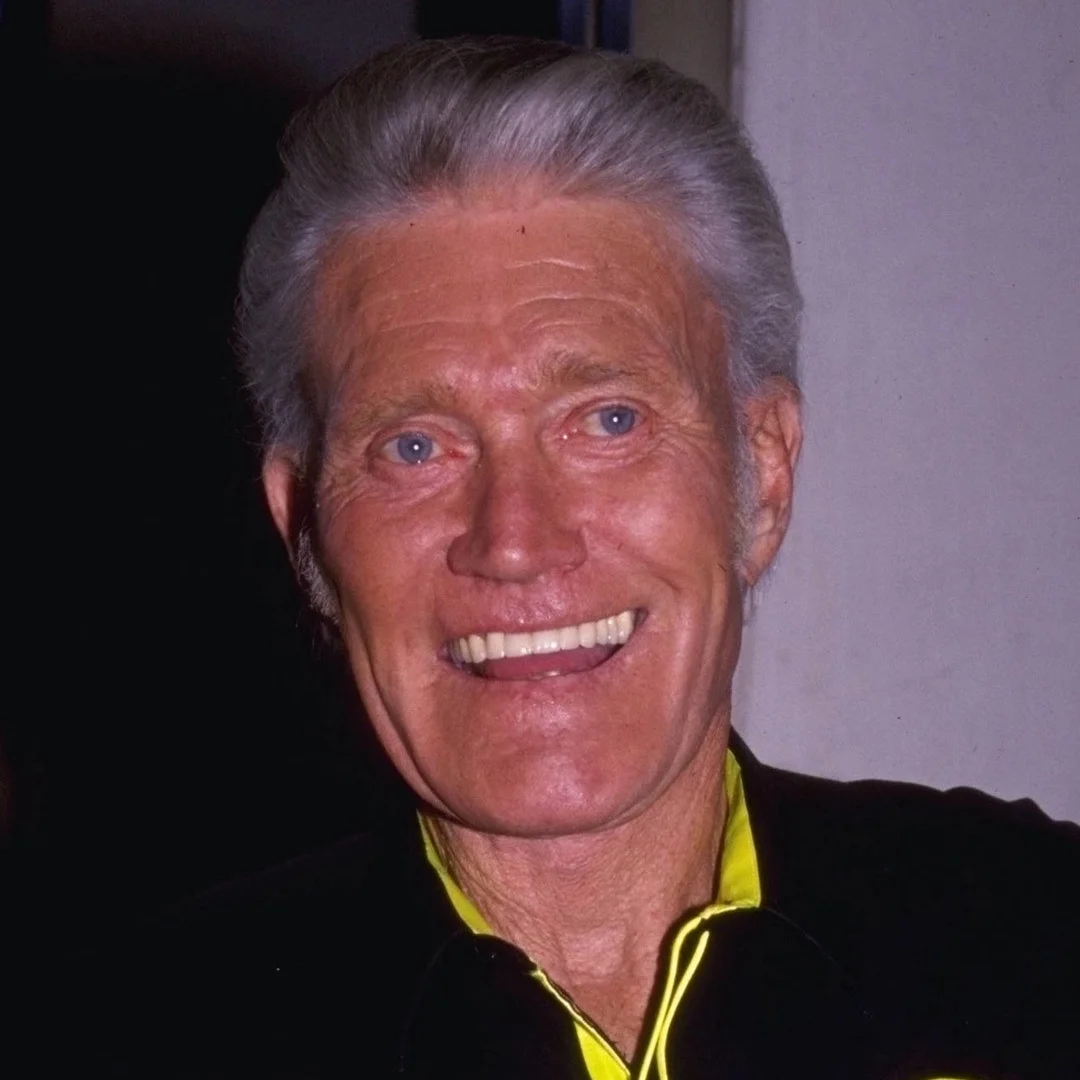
<point x="616" y="419"/>
<point x="412" y="448"/>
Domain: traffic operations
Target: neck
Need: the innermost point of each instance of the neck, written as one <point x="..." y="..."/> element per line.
<point x="593" y="909"/>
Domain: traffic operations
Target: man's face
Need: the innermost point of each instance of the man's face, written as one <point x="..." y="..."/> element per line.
<point x="528" y="441"/>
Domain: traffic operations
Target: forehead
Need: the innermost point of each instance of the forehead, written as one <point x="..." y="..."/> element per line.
<point x="516" y="288"/>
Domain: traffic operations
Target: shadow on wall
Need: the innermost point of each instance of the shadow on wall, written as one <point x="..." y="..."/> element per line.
<point x="182" y="723"/>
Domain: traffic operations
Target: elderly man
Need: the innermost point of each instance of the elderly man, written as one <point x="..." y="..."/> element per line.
<point x="521" y="322"/>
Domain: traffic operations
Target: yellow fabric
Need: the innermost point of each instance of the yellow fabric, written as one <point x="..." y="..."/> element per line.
<point x="739" y="886"/>
<point x="740" y="882"/>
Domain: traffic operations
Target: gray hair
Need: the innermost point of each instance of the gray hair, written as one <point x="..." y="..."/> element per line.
<point x="441" y="116"/>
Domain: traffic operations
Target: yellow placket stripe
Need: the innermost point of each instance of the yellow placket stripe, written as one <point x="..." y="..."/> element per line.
<point x="678" y="979"/>
<point x="664" y="1024"/>
<point x="602" y="1061"/>
<point x="738" y="886"/>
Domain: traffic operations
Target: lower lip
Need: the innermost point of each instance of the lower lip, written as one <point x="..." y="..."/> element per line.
<point x="570" y="662"/>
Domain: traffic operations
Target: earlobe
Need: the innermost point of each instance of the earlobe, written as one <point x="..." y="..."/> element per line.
<point x="772" y="427"/>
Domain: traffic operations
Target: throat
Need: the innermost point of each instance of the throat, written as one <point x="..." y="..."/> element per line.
<point x="600" y="942"/>
<point x="619" y="1008"/>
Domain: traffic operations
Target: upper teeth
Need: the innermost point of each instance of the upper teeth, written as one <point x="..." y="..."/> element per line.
<point x="497" y="645"/>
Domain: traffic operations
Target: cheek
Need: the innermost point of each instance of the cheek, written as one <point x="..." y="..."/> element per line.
<point x="380" y="561"/>
<point x="677" y="519"/>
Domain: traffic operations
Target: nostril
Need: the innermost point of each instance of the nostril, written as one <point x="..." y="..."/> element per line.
<point x="518" y="552"/>
<point x="518" y="524"/>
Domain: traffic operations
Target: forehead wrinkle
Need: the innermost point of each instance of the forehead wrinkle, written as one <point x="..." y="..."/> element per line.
<point x="651" y="333"/>
<point x="650" y="304"/>
<point x="351" y="297"/>
<point x="551" y="260"/>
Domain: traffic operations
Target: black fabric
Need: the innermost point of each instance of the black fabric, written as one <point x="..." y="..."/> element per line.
<point x="956" y="915"/>
<point x="906" y="934"/>
<point x="768" y="1003"/>
<point x="479" y="1012"/>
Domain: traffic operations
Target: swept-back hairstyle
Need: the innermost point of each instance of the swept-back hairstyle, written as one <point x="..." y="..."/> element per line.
<point x="439" y="116"/>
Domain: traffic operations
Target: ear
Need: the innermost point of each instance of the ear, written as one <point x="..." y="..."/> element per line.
<point x="282" y="483"/>
<point x="287" y="497"/>
<point x="772" y="428"/>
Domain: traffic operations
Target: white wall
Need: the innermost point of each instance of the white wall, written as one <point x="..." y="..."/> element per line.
<point x="924" y="621"/>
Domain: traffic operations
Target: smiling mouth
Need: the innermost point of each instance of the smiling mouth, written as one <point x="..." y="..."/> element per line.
<point x="542" y="654"/>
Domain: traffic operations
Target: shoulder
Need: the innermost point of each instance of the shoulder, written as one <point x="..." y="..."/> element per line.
<point x="953" y="912"/>
<point x="903" y="827"/>
<point x="265" y="974"/>
<point x="901" y="841"/>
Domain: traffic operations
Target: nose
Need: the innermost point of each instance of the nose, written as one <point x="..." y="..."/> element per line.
<point x="520" y="523"/>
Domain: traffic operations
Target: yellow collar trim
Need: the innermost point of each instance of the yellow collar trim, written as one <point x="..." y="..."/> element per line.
<point x="740" y="879"/>
<point x="466" y="909"/>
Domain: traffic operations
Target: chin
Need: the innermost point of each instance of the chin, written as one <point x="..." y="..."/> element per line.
<point x="550" y="798"/>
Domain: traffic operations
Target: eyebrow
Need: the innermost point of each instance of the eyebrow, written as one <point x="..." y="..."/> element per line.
<point x="556" y="371"/>
<point x="577" y="371"/>
<point x="367" y="416"/>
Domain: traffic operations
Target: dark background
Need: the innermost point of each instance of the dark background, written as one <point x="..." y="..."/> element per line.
<point x="174" y="717"/>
